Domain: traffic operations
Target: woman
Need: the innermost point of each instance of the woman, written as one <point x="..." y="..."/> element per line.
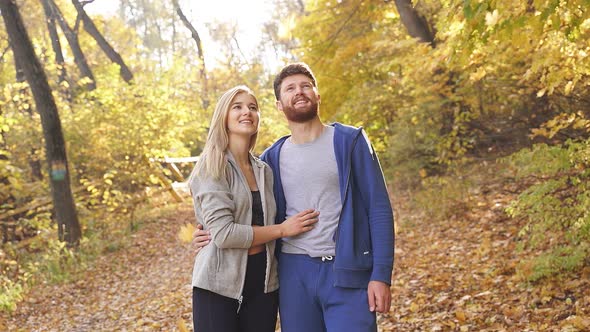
<point x="235" y="277"/>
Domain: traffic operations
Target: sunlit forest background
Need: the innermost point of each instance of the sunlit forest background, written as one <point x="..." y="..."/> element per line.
<point x="479" y="110"/>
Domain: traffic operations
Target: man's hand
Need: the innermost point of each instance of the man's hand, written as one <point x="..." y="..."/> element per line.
<point x="379" y="296"/>
<point x="201" y="238"/>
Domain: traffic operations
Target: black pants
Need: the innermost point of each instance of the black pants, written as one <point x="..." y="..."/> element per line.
<point x="258" y="312"/>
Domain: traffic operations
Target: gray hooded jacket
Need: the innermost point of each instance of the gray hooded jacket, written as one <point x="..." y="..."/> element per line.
<point x="225" y="208"/>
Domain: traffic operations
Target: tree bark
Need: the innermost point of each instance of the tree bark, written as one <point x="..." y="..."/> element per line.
<point x="18" y="67"/>
<point x="195" y="35"/>
<point x="301" y="7"/>
<point x="115" y="57"/>
<point x="34" y="162"/>
<point x="63" y="200"/>
<point x="64" y="83"/>
<point x="35" y="165"/>
<point x="72" y="38"/>
<point x="173" y="35"/>
<point x="55" y="43"/>
<point x="415" y="23"/>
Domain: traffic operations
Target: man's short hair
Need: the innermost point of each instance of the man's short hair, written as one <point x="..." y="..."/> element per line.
<point x="290" y="70"/>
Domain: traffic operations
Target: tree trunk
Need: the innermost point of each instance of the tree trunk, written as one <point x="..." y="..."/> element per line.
<point x="415" y="23"/>
<point x="63" y="200"/>
<point x="103" y="43"/>
<point x="18" y="67"/>
<point x="55" y="43"/>
<point x="34" y="162"/>
<point x="72" y="38"/>
<point x="301" y="7"/>
<point x="7" y="197"/>
<point x="173" y="35"/>
<point x="195" y="35"/>
<point x="35" y="165"/>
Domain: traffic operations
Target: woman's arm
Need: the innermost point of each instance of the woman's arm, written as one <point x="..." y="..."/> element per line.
<point x="214" y="206"/>
<point x="300" y="223"/>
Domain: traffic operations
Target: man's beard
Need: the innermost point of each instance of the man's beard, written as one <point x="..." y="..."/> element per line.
<point x="301" y="115"/>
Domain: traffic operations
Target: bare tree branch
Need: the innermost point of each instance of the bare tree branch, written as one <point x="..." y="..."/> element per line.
<point x="195" y="35"/>
<point x="55" y="43"/>
<point x="72" y="38"/>
<point x="115" y="57"/>
<point x="415" y="23"/>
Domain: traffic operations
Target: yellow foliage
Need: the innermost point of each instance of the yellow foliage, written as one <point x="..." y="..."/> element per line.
<point x="185" y="235"/>
<point x="180" y="323"/>
<point x="461" y="317"/>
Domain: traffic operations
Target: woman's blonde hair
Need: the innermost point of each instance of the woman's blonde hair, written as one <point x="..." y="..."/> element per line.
<point x="212" y="160"/>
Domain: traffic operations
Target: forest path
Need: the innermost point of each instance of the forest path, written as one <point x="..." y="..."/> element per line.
<point x="142" y="287"/>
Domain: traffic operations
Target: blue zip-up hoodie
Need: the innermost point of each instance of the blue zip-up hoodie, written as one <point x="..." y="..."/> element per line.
<point x="364" y="237"/>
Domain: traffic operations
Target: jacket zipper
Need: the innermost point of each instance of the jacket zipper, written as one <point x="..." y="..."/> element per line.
<point x="240" y="303"/>
<point x="345" y="195"/>
<point x="262" y="190"/>
<point x="347" y="182"/>
<point x="245" y="183"/>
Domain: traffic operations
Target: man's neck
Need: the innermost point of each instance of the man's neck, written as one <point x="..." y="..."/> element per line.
<point x="307" y="131"/>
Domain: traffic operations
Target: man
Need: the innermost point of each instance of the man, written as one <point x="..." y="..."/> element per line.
<point x="336" y="276"/>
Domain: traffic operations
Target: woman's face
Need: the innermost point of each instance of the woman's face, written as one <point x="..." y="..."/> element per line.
<point x="243" y="116"/>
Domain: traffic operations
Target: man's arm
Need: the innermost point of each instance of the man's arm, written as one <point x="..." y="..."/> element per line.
<point x="373" y="190"/>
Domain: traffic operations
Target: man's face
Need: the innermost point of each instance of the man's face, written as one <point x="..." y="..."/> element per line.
<point x="299" y="98"/>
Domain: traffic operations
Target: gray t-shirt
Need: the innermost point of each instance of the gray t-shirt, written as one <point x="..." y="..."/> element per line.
<point x="309" y="175"/>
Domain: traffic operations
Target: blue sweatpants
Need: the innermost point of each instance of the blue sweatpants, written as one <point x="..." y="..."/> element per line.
<point x="309" y="301"/>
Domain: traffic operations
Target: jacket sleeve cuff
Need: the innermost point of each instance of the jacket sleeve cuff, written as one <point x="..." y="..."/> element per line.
<point x="248" y="236"/>
<point x="236" y="237"/>
<point x="381" y="273"/>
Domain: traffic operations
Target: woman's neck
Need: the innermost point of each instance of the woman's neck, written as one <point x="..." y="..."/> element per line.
<point x="240" y="150"/>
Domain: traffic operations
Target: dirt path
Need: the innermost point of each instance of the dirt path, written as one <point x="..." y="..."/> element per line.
<point x="145" y="287"/>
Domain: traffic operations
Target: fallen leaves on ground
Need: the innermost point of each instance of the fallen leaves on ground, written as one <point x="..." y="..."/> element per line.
<point x="143" y="287"/>
<point x="461" y="274"/>
<point x="458" y="274"/>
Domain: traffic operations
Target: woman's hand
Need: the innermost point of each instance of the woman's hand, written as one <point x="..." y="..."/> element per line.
<point x="201" y="238"/>
<point x="300" y="223"/>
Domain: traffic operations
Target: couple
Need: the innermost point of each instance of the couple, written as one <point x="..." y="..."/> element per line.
<point x="317" y="195"/>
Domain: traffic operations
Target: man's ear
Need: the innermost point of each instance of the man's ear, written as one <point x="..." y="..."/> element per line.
<point x="319" y="99"/>
<point x="279" y="105"/>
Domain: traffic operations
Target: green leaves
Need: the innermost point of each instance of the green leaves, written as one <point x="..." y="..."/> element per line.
<point x="556" y="206"/>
